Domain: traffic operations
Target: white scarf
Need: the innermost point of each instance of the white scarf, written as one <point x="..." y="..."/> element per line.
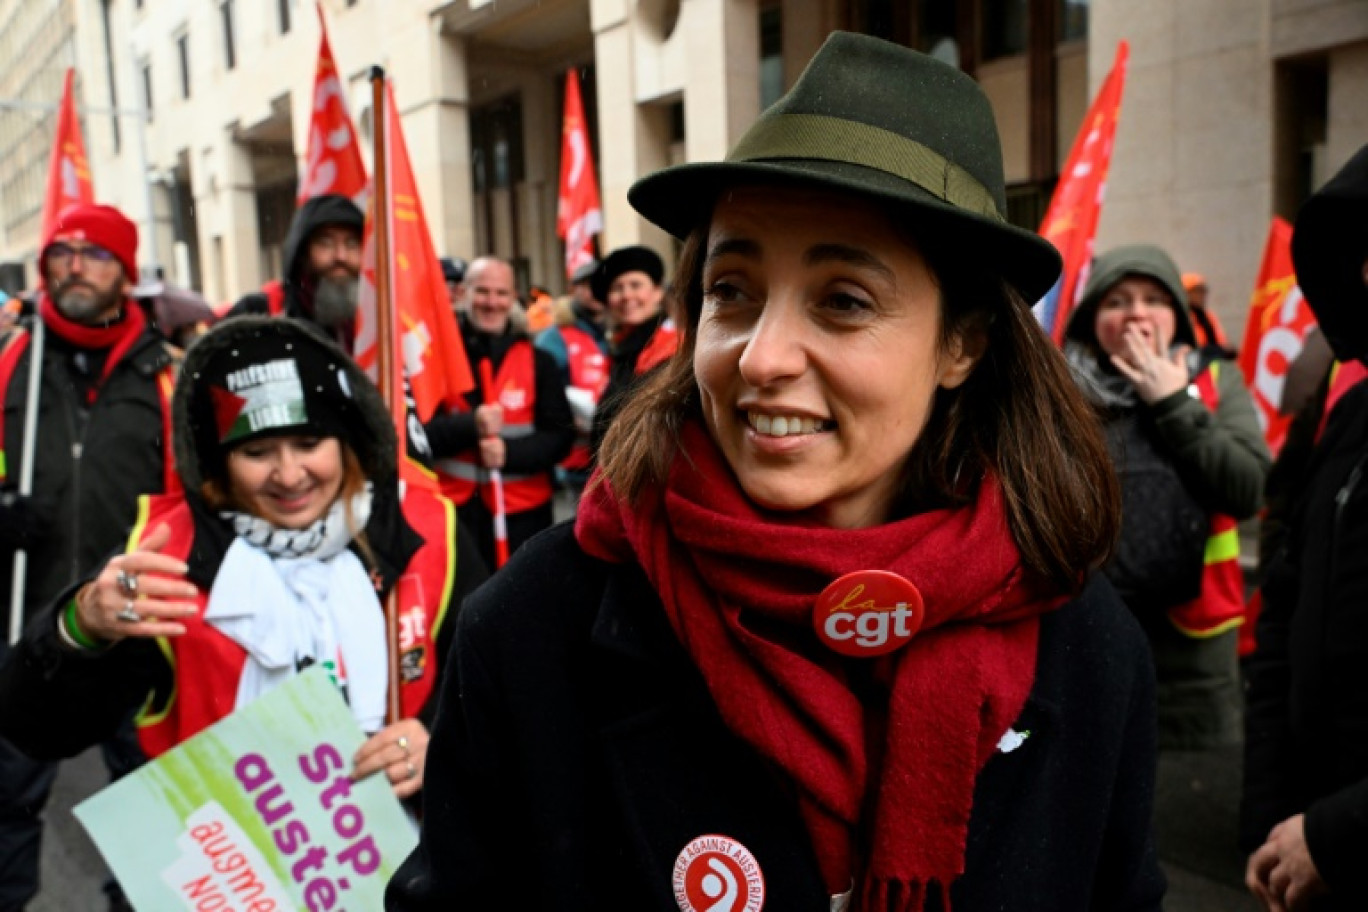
<point x="293" y="597"/>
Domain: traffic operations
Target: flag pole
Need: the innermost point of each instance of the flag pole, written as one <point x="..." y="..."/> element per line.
<point x="385" y="346"/>
<point x="35" y="383"/>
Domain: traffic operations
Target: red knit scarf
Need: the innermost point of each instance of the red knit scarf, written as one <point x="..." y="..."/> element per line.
<point x="117" y="337"/>
<point x="896" y="822"/>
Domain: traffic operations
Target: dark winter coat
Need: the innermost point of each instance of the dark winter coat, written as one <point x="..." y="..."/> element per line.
<point x="91" y="460"/>
<point x="622" y="376"/>
<point x="1306" y="741"/>
<point x="577" y="751"/>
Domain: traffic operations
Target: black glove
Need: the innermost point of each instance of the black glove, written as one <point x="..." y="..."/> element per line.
<point x="23" y="524"/>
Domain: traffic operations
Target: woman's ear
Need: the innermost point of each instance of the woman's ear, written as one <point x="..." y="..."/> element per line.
<point x="961" y="356"/>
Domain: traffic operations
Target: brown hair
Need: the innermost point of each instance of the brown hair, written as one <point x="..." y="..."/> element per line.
<point x="1019" y="415"/>
<point x="217" y="493"/>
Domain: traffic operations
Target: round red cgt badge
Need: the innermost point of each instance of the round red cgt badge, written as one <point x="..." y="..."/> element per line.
<point x="868" y="613"/>
<point x="718" y="874"/>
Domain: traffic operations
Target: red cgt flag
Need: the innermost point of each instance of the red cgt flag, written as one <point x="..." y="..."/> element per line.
<point x="430" y="352"/>
<point x="1071" y="221"/>
<point x="578" y="214"/>
<point x="333" y="164"/>
<point x="1279" y="319"/>
<point x="68" y="170"/>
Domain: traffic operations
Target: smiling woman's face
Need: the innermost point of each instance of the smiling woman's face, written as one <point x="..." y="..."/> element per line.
<point x="288" y="481"/>
<point x="819" y="351"/>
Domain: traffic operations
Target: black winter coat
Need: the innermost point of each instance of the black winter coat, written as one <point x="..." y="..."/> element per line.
<point x="1306" y="743"/>
<point x="577" y="751"/>
<point x="91" y="460"/>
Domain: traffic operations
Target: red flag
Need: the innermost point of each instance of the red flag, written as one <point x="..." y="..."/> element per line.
<point x="430" y="352"/>
<point x="578" y="214"/>
<point x="1279" y="319"/>
<point x="1071" y="221"/>
<point x="68" y="170"/>
<point x="333" y="164"/>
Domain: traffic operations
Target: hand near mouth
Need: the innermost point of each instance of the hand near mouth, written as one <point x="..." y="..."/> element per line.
<point x="1156" y="374"/>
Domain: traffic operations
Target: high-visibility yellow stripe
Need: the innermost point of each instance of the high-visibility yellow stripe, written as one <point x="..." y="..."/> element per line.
<point x="146" y="716"/>
<point x="3" y="472"/>
<point x="1223" y="546"/>
<point x="449" y="510"/>
<point x="1210" y="632"/>
<point x="144" y="508"/>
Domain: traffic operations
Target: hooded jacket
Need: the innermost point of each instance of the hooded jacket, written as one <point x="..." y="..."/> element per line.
<point x="298" y="288"/>
<point x="54" y="702"/>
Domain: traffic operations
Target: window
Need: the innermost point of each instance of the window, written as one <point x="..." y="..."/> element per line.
<point x="229" y="57"/>
<point x="147" y="88"/>
<point x="1004" y="28"/>
<point x="183" y="52"/>
<point x="283" y="7"/>
<point x="771" y="55"/>
<point x="1073" y="20"/>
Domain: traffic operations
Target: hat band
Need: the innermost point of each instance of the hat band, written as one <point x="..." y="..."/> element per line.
<point x="815" y="136"/>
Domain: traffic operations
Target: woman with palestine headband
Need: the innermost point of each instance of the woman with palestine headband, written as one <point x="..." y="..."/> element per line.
<point x="290" y="533"/>
<point x="827" y="632"/>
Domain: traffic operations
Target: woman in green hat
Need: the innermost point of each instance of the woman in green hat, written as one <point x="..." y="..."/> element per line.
<point x="826" y="633"/>
<point x="1192" y="463"/>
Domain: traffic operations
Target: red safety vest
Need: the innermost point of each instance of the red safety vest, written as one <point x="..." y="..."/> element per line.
<point x="274" y="290"/>
<point x="1344" y="376"/>
<point x="659" y="347"/>
<point x="1221" y="606"/>
<point x="13" y="349"/>
<point x="516" y="385"/>
<point x="206" y="665"/>
<point x="588" y="371"/>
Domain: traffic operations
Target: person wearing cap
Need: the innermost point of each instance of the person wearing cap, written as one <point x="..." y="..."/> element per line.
<point x="322" y="257"/>
<point x="580" y="349"/>
<point x="1206" y="328"/>
<point x="522" y="427"/>
<point x="287" y="537"/>
<point x="1304" y="815"/>
<point x="642" y="335"/>
<point x="103" y="411"/>
<point x="826" y="633"/>
<point x="453" y="274"/>
<point x="1192" y="462"/>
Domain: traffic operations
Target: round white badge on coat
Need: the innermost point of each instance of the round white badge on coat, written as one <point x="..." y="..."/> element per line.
<point x="718" y="874"/>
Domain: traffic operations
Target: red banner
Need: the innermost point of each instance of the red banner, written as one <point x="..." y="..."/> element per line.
<point x="1279" y="319"/>
<point x="1071" y="221"/>
<point x="578" y="214"/>
<point x="68" y="181"/>
<point x="333" y="163"/>
<point x="430" y="352"/>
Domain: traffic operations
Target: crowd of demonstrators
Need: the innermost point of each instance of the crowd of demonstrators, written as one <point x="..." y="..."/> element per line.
<point x="1191" y="458"/>
<point x="579" y="345"/>
<point x="682" y="701"/>
<point x="453" y="275"/>
<point x="630" y="281"/>
<point x="1304" y="816"/>
<point x="103" y="413"/>
<point x="522" y="427"/>
<point x="288" y="532"/>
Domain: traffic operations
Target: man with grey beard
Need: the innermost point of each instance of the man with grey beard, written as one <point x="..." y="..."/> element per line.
<point x="322" y="256"/>
<point x="106" y="381"/>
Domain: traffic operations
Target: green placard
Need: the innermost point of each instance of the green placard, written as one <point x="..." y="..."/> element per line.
<point x="256" y="814"/>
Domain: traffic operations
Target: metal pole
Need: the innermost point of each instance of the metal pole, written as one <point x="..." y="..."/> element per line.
<point x="35" y="380"/>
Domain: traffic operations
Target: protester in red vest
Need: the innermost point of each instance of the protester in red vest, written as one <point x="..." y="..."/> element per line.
<point x="289" y="535"/>
<point x="642" y="335"/>
<point x="523" y="427"/>
<point x="826" y="633"/>
<point x="1192" y="461"/>
<point x="1304" y="816"/>
<point x="1206" y="326"/>
<point x="103" y="424"/>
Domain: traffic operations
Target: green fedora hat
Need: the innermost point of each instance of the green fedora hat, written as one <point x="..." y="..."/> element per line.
<point x="883" y="121"/>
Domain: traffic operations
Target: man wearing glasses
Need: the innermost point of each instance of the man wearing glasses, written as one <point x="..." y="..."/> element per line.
<point x="103" y="410"/>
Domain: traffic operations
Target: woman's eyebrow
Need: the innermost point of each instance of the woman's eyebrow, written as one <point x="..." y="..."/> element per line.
<point x="843" y="253"/>
<point x="743" y="247"/>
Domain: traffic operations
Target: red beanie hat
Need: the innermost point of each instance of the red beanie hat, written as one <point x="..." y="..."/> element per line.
<point x="102" y="225"/>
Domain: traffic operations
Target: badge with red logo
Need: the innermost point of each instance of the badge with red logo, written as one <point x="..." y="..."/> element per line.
<point x="868" y="613"/>
<point x="718" y="874"/>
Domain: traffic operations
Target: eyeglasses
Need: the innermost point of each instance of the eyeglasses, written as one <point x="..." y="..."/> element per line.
<point x="90" y="253"/>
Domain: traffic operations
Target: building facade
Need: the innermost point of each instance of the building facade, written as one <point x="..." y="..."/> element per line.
<point x="1234" y="110"/>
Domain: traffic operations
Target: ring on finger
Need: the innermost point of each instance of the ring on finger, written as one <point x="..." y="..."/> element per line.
<point x="128" y="614"/>
<point x="403" y="742"/>
<point x="128" y="583"/>
<point x="412" y="770"/>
